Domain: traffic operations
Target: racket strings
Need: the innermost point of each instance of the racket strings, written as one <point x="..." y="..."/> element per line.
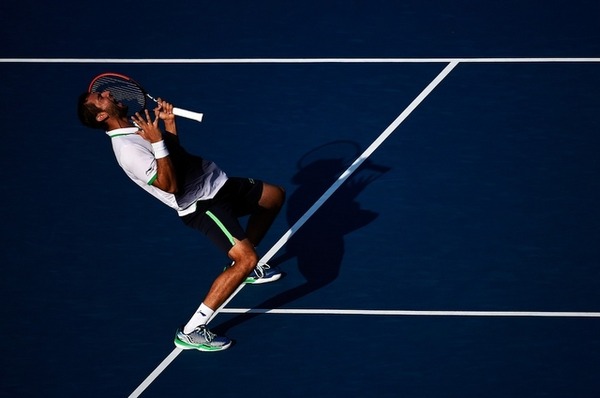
<point x="126" y="92"/>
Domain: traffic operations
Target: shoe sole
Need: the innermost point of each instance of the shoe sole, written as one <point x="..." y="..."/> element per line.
<point x="203" y="348"/>
<point x="260" y="281"/>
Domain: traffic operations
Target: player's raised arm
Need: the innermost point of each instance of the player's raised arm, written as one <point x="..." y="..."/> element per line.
<point x="165" y="177"/>
<point x="165" y="113"/>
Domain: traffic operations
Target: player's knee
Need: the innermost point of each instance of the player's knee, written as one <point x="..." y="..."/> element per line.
<point x="273" y="197"/>
<point x="279" y="196"/>
<point x="244" y="256"/>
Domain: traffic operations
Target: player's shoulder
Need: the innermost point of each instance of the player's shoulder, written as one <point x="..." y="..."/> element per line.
<point x="128" y="148"/>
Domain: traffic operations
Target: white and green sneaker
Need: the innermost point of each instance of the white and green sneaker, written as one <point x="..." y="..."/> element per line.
<point x="263" y="273"/>
<point x="201" y="339"/>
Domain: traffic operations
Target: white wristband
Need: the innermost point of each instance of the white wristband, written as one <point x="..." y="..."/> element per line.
<point x="160" y="149"/>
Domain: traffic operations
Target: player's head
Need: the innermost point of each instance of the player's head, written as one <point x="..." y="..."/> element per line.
<point x="95" y="109"/>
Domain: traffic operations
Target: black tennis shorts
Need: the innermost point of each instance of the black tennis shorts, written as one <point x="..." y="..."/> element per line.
<point x="218" y="218"/>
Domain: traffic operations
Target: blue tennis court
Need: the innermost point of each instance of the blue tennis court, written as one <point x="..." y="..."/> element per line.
<point x="459" y="257"/>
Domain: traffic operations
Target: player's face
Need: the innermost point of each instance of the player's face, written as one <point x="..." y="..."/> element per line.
<point x="106" y="102"/>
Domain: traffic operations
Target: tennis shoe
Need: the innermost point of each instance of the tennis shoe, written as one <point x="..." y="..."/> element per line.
<point x="263" y="273"/>
<point x="201" y="339"/>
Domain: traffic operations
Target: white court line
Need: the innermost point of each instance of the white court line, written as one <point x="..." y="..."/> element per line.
<point x="382" y="137"/>
<point x="286" y="60"/>
<point x="298" y="311"/>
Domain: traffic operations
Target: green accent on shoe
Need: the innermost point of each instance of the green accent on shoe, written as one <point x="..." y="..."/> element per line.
<point x="199" y="347"/>
<point x="200" y="339"/>
<point x="263" y="273"/>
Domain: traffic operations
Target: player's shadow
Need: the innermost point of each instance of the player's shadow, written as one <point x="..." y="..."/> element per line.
<point x="318" y="245"/>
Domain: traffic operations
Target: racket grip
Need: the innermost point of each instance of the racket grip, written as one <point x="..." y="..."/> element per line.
<point x="197" y="116"/>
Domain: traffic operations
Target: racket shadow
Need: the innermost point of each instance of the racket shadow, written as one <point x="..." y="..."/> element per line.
<point x="319" y="245"/>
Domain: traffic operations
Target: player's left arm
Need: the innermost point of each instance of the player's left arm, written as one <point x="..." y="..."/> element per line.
<point x="165" y="171"/>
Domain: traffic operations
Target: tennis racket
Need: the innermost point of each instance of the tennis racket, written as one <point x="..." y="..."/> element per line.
<point x="132" y="94"/>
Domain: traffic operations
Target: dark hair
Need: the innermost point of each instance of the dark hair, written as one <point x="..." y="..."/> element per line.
<point x="87" y="113"/>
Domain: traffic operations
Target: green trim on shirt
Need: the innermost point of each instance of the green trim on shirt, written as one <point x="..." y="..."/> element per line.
<point x="153" y="179"/>
<point x="119" y="135"/>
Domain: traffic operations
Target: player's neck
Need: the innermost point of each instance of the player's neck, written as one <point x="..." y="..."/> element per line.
<point x="119" y="123"/>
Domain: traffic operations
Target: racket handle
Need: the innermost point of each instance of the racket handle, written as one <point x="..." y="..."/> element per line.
<point x="197" y="116"/>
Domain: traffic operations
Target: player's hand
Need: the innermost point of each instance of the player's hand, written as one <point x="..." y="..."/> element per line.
<point x="164" y="110"/>
<point x="148" y="128"/>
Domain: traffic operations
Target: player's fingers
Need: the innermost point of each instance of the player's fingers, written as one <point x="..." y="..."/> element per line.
<point x="148" y="118"/>
<point x="138" y="118"/>
<point x="159" y="103"/>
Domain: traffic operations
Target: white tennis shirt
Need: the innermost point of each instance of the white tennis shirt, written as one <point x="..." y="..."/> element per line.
<point x="201" y="178"/>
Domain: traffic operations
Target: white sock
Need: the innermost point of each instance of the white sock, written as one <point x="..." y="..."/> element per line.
<point x="200" y="317"/>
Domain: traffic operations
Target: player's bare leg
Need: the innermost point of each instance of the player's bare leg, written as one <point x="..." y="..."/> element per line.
<point x="271" y="200"/>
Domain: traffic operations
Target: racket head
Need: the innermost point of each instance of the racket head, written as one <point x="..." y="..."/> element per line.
<point x="123" y="88"/>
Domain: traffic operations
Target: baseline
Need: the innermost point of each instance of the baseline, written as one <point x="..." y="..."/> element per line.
<point x="300" y="311"/>
<point x="290" y="60"/>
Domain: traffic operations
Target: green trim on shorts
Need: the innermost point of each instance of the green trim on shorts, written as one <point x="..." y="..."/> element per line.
<point x="221" y="226"/>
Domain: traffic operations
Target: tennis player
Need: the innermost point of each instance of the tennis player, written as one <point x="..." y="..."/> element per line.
<point x="204" y="197"/>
